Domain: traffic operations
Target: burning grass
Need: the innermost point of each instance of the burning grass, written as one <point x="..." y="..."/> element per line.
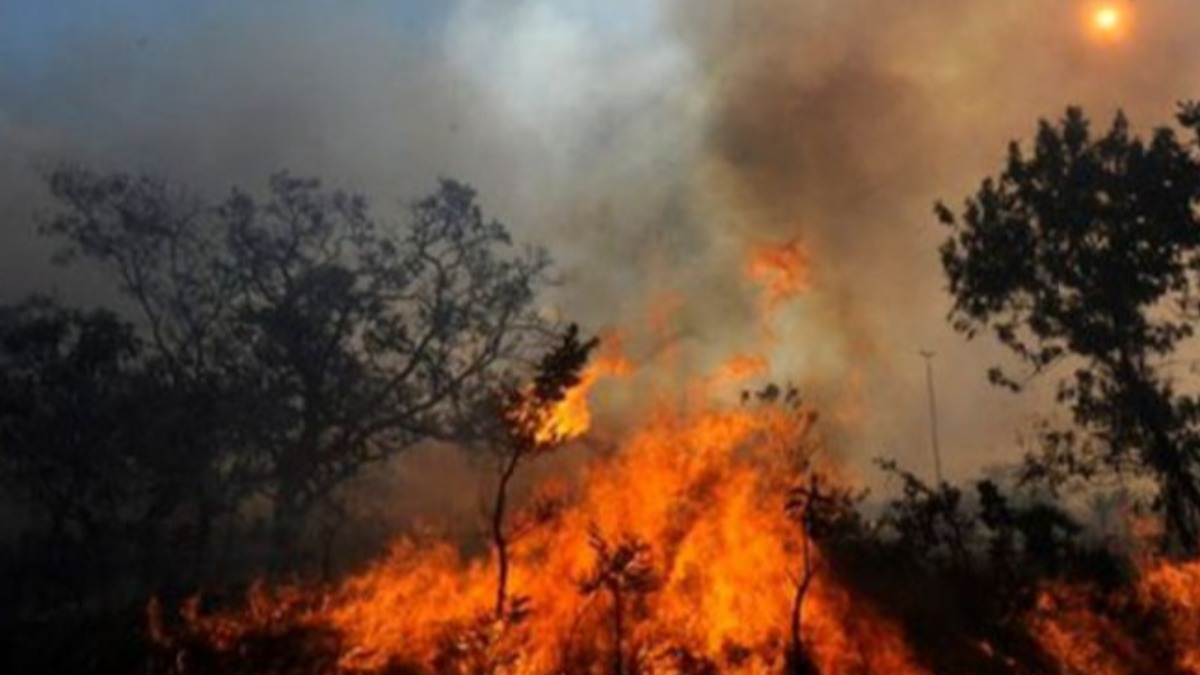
<point x="679" y="554"/>
<point x="717" y="540"/>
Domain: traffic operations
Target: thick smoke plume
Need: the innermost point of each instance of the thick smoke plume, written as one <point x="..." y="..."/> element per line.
<point x="837" y="124"/>
<point x="652" y="145"/>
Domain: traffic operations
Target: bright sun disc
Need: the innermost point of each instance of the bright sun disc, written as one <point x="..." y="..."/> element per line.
<point x="1107" y="19"/>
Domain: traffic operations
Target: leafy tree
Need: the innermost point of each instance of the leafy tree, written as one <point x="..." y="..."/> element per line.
<point x="332" y="338"/>
<point x="929" y="522"/>
<point x="1084" y="252"/>
<point x="110" y="460"/>
<point x="1038" y="536"/>
<point x="65" y="379"/>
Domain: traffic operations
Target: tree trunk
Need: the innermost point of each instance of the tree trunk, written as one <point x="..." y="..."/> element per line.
<point x="1180" y="503"/>
<point x="797" y="659"/>
<point x="618" y="633"/>
<point x="499" y="538"/>
<point x="1155" y="415"/>
<point x="286" y="525"/>
<point x="205" y="514"/>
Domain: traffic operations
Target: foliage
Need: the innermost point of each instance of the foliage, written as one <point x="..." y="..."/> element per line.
<point x="335" y="339"/>
<point x="1086" y="252"/>
<point x="66" y="382"/>
<point x="267" y="347"/>
<point x="82" y="449"/>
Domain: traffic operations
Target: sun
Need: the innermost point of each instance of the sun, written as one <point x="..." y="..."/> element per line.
<point x="1108" y="19"/>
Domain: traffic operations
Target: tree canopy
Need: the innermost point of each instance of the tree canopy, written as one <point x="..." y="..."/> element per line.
<point x="1085" y="251"/>
<point x="291" y="335"/>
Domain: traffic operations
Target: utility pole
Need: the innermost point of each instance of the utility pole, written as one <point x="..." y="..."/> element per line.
<point x="933" y="419"/>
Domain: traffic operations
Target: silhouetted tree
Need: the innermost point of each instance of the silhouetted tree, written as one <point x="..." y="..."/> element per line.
<point x="107" y="456"/>
<point x="625" y="571"/>
<point x="821" y="509"/>
<point x="66" y="381"/>
<point x="524" y="429"/>
<point x="1029" y="539"/>
<point x="333" y="339"/>
<point x="929" y="522"/>
<point x="1086" y="252"/>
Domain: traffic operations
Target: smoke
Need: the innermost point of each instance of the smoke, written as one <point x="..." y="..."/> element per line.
<point x="839" y="123"/>
<point x="651" y="144"/>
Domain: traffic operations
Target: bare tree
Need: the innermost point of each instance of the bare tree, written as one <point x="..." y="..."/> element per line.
<point x="823" y="510"/>
<point x="801" y="506"/>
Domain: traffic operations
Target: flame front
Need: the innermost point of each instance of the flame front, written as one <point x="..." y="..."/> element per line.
<point x="1153" y="627"/>
<point x="705" y="494"/>
<point x="677" y="553"/>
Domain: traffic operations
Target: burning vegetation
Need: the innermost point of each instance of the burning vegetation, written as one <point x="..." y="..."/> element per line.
<point x="686" y="550"/>
<point x="722" y="541"/>
<point x="288" y="341"/>
<point x="722" y="537"/>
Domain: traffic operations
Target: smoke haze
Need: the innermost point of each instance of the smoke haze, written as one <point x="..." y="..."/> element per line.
<point x="650" y="144"/>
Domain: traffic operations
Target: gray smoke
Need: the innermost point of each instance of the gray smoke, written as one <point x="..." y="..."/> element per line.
<point x="648" y="143"/>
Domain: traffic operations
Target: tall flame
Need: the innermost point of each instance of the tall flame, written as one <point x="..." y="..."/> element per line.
<point x="706" y="496"/>
<point x="572" y="416"/>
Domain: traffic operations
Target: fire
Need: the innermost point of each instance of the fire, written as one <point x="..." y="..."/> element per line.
<point x="1161" y="615"/>
<point x="677" y="551"/>
<point x="676" y="554"/>
<point x="739" y="368"/>
<point x="695" y="506"/>
<point x="783" y="270"/>
<point x="572" y="417"/>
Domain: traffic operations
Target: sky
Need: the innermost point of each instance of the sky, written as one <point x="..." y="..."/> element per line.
<point x="649" y="144"/>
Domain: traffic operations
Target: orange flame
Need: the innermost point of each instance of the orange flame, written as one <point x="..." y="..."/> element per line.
<point x="783" y="270"/>
<point x="740" y="368"/>
<point x="1071" y="625"/>
<point x="705" y="495"/>
<point x="572" y="416"/>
